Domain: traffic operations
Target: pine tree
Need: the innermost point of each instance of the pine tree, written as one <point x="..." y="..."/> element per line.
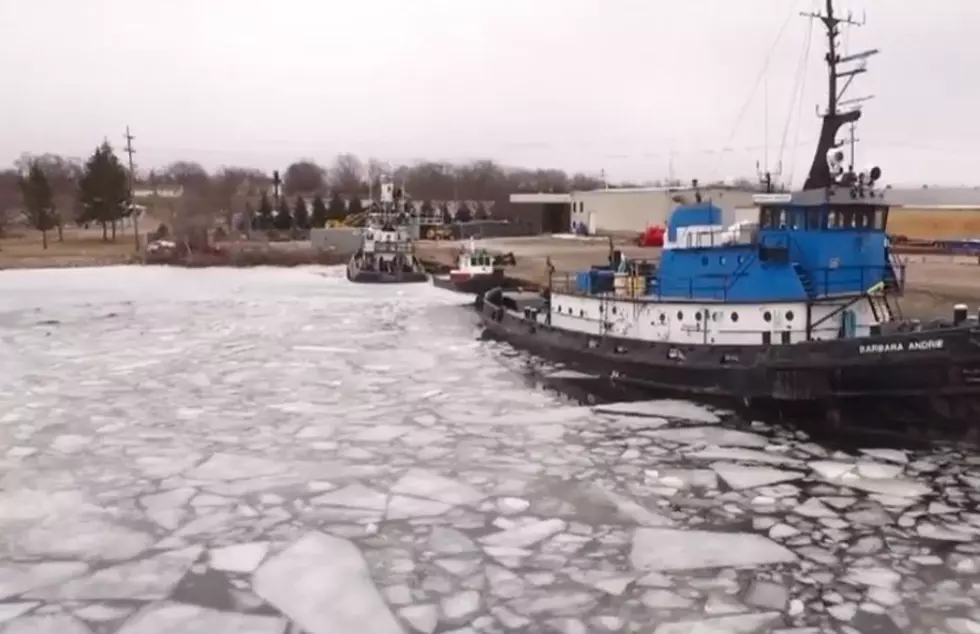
<point x="262" y="221"/>
<point x="284" y="217"/>
<point x="103" y="190"/>
<point x="463" y="213"/>
<point x="481" y="212"/>
<point x="38" y="199"/>
<point x="447" y="218"/>
<point x="318" y="217"/>
<point x="301" y="215"/>
<point x="336" y="210"/>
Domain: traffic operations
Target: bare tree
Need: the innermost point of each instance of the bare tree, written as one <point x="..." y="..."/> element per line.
<point x="188" y="174"/>
<point x="232" y="187"/>
<point x="375" y="171"/>
<point x="304" y="177"/>
<point x="347" y="175"/>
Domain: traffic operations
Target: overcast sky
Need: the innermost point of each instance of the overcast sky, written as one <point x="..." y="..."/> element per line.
<point x="582" y="85"/>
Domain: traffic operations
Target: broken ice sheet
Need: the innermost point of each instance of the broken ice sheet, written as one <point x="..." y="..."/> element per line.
<point x="225" y="466"/>
<point x="740" y="477"/>
<point x="239" y="557"/>
<point x="19" y="578"/>
<point x="421" y="483"/>
<point x="181" y="618"/>
<point x="850" y="475"/>
<point x="525" y="534"/>
<point x="659" y="549"/>
<point x="146" y="579"/>
<point x="323" y="583"/>
<point x="748" y="455"/>
<point x="737" y="624"/>
<point x="47" y="624"/>
<point x="710" y="436"/>
<point x="662" y="407"/>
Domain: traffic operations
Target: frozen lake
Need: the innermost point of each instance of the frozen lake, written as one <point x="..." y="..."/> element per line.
<point x="280" y="452"/>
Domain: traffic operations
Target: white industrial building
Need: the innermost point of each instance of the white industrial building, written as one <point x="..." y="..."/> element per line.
<point x="634" y="209"/>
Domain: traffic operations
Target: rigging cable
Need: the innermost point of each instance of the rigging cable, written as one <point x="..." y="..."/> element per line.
<point x="799" y="103"/>
<point x="755" y="86"/>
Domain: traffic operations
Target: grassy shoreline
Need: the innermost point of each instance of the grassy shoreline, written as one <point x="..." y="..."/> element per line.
<point x="81" y="248"/>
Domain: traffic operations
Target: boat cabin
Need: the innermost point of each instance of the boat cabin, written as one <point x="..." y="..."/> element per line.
<point x="797" y="250"/>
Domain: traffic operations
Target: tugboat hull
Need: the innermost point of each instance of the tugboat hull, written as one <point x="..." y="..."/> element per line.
<point x="930" y="375"/>
<point x="362" y="276"/>
<point x="471" y="285"/>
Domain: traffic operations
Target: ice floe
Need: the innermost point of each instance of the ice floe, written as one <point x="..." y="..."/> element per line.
<point x="323" y="583"/>
<point x="662" y="549"/>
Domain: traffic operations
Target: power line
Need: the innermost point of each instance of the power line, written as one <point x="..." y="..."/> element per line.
<point x="758" y="80"/>
<point x="799" y="105"/>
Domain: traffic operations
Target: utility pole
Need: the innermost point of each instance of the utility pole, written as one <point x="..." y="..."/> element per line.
<point x="134" y="213"/>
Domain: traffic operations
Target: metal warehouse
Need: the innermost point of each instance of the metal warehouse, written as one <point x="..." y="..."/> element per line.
<point x="635" y="209"/>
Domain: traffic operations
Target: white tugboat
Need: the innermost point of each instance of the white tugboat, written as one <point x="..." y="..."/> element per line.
<point x="387" y="251"/>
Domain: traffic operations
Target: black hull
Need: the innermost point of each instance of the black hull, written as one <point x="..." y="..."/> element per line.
<point x="362" y="276"/>
<point x="941" y="385"/>
<point x="475" y="285"/>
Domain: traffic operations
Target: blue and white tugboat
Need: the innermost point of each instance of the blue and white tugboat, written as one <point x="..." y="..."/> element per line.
<point x="798" y="307"/>
<point x="387" y="251"/>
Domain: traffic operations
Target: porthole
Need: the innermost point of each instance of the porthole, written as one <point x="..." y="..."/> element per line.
<point x="663" y="318"/>
<point x="697" y="316"/>
<point x="789" y="315"/>
<point x="704" y="260"/>
<point x="721" y="260"/>
<point x="614" y="310"/>
<point x="739" y="259"/>
<point x="734" y="317"/>
<point x="581" y="313"/>
<point x="767" y="316"/>
<point x="716" y="317"/>
<point x="680" y="315"/>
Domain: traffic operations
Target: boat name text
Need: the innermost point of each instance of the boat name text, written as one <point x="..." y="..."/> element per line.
<point x="901" y="346"/>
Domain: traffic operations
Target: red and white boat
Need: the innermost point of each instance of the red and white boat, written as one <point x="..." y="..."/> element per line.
<point x="477" y="271"/>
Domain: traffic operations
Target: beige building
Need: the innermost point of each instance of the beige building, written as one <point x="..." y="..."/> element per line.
<point x="634" y="209"/>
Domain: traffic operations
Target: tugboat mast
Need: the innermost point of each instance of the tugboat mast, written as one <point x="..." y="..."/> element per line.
<point x="820" y="175"/>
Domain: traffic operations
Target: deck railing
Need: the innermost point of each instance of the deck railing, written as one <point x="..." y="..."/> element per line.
<point x="823" y="282"/>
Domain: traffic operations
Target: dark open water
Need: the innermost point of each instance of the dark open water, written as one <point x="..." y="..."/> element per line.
<point x="278" y="451"/>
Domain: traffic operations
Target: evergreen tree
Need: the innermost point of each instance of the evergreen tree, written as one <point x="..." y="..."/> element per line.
<point x="481" y="212"/>
<point x="284" y="217"/>
<point x="463" y="213"/>
<point x="336" y="210"/>
<point x="38" y="199"/>
<point x="301" y="215"/>
<point x="103" y="190"/>
<point x="427" y="209"/>
<point x="318" y="217"/>
<point x="262" y="221"/>
<point x="447" y="218"/>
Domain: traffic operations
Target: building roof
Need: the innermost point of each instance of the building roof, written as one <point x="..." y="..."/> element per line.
<point x="531" y="199"/>
<point x="661" y="190"/>
<point x="937" y="197"/>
